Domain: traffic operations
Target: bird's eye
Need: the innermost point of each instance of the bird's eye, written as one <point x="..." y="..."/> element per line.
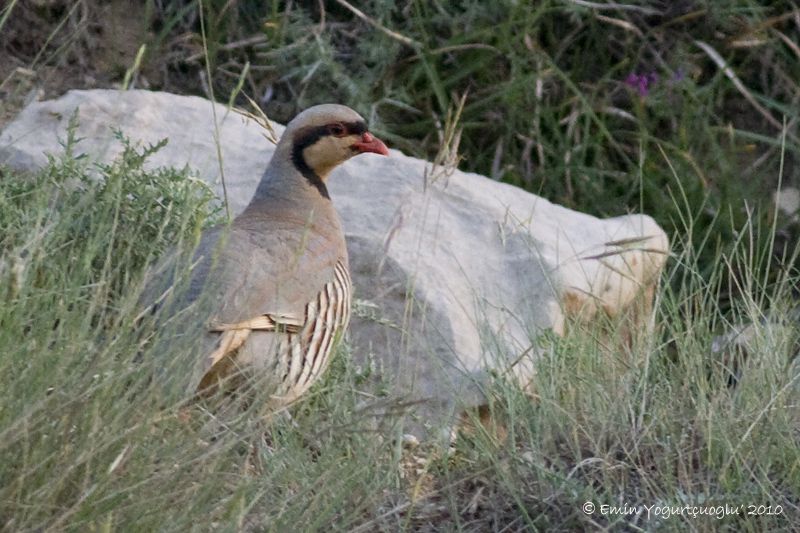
<point x="337" y="130"/>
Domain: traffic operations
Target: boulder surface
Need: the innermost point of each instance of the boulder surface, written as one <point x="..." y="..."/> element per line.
<point x="456" y="275"/>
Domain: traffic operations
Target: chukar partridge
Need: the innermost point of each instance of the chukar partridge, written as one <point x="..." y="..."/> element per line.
<point x="279" y="276"/>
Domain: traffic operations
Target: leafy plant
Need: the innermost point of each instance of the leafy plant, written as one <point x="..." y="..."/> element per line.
<point x="100" y="224"/>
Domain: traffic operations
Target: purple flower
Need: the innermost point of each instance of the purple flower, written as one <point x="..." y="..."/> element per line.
<point x="632" y="80"/>
<point x="641" y="82"/>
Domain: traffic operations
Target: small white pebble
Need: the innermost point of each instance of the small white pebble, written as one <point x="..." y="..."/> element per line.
<point x="788" y="200"/>
<point x="410" y="441"/>
<point x="527" y="457"/>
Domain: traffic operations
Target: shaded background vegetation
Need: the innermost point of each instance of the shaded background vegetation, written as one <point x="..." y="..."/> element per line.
<point x="572" y="102"/>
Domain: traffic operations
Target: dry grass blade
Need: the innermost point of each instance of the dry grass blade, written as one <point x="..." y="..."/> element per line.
<point x="447" y="158"/>
<point x="620" y="252"/>
<point x="616" y="7"/>
<point x="731" y="75"/>
<point x="773" y="21"/>
<point x="461" y="47"/>
<point x="259" y="117"/>
<point x="744" y="438"/>
<point x="217" y="139"/>
<point x="624" y="24"/>
<point x="788" y="42"/>
<point x="632" y="240"/>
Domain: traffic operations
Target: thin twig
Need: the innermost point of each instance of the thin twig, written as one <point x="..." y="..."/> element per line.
<point x="393" y="34"/>
<point x="250" y="41"/>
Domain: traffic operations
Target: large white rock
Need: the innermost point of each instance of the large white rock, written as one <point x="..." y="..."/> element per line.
<point x="456" y="277"/>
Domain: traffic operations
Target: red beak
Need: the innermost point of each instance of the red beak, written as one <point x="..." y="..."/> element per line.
<point x="370" y="143"/>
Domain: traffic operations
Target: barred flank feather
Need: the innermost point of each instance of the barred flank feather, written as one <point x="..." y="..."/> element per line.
<point x="309" y="354"/>
<point x="304" y="348"/>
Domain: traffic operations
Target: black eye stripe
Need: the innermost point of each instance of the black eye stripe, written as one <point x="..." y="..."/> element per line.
<point x="350" y="128"/>
<point x="308" y="136"/>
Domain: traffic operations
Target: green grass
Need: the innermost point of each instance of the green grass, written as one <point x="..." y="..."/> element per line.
<point x="94" y="434"/>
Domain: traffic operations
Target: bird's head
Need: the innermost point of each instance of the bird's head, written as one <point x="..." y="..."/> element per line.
<point x="327" y="135"/>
